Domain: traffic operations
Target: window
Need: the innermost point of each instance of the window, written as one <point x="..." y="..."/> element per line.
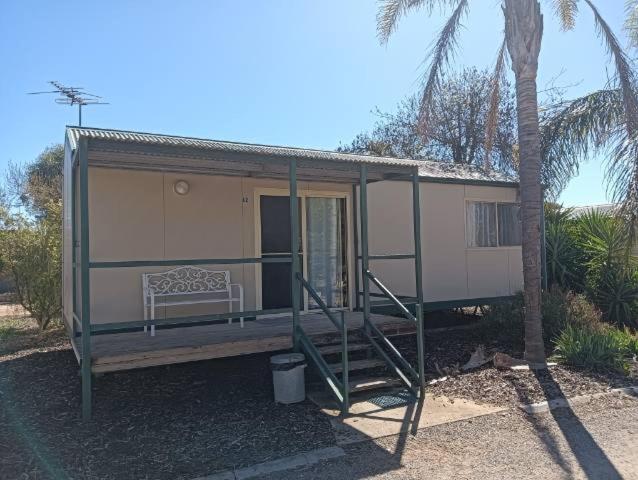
<point x="509" y="224"/>
<point x="491" y="224"/>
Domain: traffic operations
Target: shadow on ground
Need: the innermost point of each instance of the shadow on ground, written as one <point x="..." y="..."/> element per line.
<point x="590" y="456"/>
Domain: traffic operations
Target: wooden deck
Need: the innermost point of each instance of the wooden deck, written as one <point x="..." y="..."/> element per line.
<point x="124" y="351"/>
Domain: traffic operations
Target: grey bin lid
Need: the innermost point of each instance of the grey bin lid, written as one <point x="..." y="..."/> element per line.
<point x="287" y="361"/>
<point x="286" y="358"/>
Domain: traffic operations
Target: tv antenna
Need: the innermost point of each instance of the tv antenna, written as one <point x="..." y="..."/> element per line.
<point x="73" y="96"/>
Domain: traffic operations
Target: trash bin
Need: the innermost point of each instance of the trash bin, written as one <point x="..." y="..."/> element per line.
<point x="288" y="377"/>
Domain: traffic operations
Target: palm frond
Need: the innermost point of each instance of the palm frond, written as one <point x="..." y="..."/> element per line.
<point x="622" y="164"/>
<point x="391" y="11"/>
<point x="624" y="71"/>
<point x="573" y="130"/>
<point x="622" y="180"/>
<point x="631" y="22"/>
<point x="566" y="11"/>
<point x="491" y="123"/>
<point x="440" y="55"/>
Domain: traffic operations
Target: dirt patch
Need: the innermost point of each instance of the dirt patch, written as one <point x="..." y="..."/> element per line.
<point x="19" y="333"/>
<point x="179" y="422"/>
<point x="446" y="351"/>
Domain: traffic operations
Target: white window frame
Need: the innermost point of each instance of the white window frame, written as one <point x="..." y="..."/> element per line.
<point x="497" y="203"/>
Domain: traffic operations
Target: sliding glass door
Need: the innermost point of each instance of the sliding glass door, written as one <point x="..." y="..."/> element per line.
<point x="326" y="249"/>
<point x="323" y="252"/>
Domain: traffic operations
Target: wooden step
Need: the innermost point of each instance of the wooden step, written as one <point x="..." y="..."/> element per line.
<point x="373" y="383"/>
<point x="352" y="347"/>
<point x="357" y="365"/>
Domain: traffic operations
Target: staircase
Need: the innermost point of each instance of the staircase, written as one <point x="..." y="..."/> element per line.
<point x="366" y="370"/>
<point x="369" y="354"/>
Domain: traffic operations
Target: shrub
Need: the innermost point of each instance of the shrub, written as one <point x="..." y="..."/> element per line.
<point x="594" y="350"/>
<point x="559" y="309"/>
<point x="626" y="339"/>
<point x="30" y="251"/>
<point x="508" y="317"/>
<point x="615" y="291"/>
<point x="591" y="253"/>
<point x="563" y="256"/>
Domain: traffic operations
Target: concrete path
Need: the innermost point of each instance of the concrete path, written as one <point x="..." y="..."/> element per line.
<point x="368" y="421"/>
<point x="595" y="440"/>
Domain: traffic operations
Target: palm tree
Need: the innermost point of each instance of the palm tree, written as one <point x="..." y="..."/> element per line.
<point x="523" y="27"/>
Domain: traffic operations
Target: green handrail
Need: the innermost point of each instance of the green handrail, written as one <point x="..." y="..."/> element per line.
<point x="395" y="351"/>
<point x="372" y="329"/>
<point x="313" y="293"/>
<point x="388" y="294"/>
<point x="339" y="389"/>
<point x="328" y="376"/>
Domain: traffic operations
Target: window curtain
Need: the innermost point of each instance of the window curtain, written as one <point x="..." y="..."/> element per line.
<point x="325" y="249"/>
<point x="509" y="224"/>
<point x="481" y="224"/>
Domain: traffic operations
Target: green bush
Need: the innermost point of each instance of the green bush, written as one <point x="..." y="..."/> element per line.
<point x="626" y="339"/>
<point x="564" y="258"/>
<point x="507" y="317"/>
<point x="601" y="350"/>
<point x="30" y="251"/>
<point x="559" y="309"/>
<point x="592" y="254"/>
<point x="615" y="290"/>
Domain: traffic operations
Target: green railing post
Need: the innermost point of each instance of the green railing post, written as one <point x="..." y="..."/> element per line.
<point x="345" y="381"/>
<point x="418" y="271"/>
<point x="294" y="252"/>
<point x="363" y="214"/>
<point x="355" y="222"/>
<point x="85" y="278"/>
<point x="74" y="240"/>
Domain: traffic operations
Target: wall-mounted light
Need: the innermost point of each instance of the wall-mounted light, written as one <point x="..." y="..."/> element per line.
<point x="181" y="187"/>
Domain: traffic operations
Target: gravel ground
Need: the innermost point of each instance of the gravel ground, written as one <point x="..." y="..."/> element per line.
<point x="598" y="440"/>
<point x="193" y="419"/>
<point x="160" y="423"/>
<point x="446" y="351"/>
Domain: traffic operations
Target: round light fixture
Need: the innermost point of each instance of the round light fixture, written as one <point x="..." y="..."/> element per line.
<point x="181" y="187"/>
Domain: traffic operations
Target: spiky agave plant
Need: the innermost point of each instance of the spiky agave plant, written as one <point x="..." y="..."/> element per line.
<point x="562" y="254"/>
<point x="612" y="279"/>
<point x="523" y="27"/>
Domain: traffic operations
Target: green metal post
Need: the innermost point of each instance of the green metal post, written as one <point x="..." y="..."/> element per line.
<point x="74" y="239"/>
<point x="294" y="251"/>
<point x="363" y="214"/>
<point x="418" y="271"/>
<point x="344" y="365"/>
<point x="355" y="221"/>
<point x="543" y="245"/>
<point x="85" y="279"/>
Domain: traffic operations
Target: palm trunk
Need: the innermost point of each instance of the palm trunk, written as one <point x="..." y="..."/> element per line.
<point x="523" y="33"/>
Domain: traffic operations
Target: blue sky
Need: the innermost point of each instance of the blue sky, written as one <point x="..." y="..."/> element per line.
<point x="285" y="72"/>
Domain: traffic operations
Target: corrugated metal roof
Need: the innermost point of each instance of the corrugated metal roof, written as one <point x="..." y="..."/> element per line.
<point x="427" y="168"/>
<point x="606" y="208"/>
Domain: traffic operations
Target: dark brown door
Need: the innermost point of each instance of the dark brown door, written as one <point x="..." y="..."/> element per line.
<point x="275" y="242"/>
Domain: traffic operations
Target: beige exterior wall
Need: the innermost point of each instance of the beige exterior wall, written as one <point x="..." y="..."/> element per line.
<point x="135" y="215"/>
<point x="451" y="271"/>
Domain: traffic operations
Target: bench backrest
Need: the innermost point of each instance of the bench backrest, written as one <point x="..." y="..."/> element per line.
<point x="185" y="280"/>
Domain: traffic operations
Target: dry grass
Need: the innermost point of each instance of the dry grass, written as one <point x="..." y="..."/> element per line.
<point x="18" y="331"/>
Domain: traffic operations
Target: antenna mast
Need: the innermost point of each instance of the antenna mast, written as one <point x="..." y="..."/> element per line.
<point x="73" y="96"/>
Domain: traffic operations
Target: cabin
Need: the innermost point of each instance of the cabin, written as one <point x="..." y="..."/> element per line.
<point x="181" y="249"/>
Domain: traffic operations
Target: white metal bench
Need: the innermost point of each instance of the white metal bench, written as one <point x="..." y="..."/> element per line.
<point x="174" y="288"/>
